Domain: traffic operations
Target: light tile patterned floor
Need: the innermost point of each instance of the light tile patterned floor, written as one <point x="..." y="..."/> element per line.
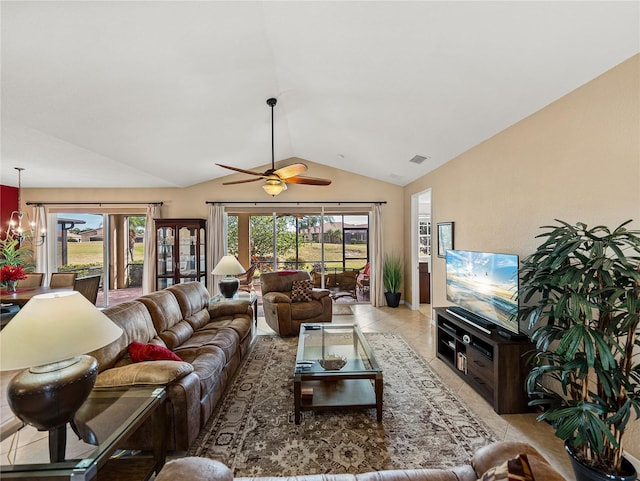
<point x="417" y="329"/>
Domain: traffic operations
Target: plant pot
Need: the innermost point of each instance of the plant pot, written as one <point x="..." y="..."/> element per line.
<point x="135" y="275"/>
<point x="393" y="298"/>
<point x="587" y="473"/>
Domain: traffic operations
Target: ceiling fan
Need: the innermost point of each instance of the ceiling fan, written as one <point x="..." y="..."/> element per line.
<point x="277" y="179"/>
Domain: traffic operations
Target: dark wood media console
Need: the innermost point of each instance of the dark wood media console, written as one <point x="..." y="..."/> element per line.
<point x="496" y="367"/>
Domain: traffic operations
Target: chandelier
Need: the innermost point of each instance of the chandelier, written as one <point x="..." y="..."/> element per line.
<point x="15" y="228"/>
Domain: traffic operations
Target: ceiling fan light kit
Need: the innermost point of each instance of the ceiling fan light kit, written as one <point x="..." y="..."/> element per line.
<point x="274" y="187"/>
<point x="276" y="180"/>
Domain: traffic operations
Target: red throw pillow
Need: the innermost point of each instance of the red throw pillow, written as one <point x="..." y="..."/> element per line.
<point x="150" y="352"/>
<point x="366" y="270"/>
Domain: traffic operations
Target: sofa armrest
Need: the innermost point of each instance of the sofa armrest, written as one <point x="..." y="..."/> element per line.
<point x="318" y="294"/>
<point x="276" y="297"/>
<point x="144" y="373"/>
<point x="195" y="469"/>
<point x="497" y="453"/>
<point x="229" y="308"/>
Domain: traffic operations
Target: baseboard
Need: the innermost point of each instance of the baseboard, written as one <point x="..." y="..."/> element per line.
<point x="635" y="461"/>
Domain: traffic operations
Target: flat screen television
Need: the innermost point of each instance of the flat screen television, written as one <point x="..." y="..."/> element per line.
<point x="486" y="285"/>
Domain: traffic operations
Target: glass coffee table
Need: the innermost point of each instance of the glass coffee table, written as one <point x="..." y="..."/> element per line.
<point x="104" y="421"/>
<point x="335" y="369"/>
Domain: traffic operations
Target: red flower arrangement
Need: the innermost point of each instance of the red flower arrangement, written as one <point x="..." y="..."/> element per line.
<point x="12" y="273"/>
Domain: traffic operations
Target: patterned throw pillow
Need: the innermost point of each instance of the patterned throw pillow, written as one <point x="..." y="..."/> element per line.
<point x="516" y="469"/>
<point x="301" y="291"/>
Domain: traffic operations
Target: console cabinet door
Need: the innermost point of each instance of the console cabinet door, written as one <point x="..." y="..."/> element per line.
<point x="181" y="251"/>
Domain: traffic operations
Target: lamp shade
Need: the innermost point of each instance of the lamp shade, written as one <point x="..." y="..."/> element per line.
<point x="54" y="327"/>
<point x="228" y="266"/>
<point x="274" y="187"/>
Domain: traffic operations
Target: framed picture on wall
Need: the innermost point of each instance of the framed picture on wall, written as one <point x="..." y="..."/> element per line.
<point x="445" y="238"/>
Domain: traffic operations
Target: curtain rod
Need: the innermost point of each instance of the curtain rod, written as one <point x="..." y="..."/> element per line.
<point x="301" y="202"/>
<point x="94" y="203"/>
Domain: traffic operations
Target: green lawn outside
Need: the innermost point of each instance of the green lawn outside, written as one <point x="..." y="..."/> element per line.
<point x="82" y="253"/>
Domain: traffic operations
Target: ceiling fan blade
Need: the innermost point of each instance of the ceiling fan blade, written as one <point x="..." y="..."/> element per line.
<point x="300" y="179"/>
<point x="290" y="170"/>
<point x="240" y="170"/>
<point x="242" y="181"/>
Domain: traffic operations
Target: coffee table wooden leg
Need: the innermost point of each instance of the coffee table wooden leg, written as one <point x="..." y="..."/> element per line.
<point x="297" y="398"/>
<point x="379" y="389"/>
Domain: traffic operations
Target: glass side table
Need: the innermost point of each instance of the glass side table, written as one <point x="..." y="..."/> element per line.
<point x="106" y="419"/>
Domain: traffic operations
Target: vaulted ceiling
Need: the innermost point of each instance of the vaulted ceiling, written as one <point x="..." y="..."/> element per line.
<point x="154" y="93"/>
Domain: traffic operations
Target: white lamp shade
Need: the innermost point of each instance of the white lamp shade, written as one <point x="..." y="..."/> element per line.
<point x="228" y="266"/>
<point x="54" y="327"/>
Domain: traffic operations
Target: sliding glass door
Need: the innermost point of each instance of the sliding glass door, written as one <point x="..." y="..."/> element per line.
<point x="103" y="244"/>
<point x="333" y="247"/>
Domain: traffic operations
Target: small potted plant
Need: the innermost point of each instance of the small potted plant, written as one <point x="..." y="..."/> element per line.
<point x="580" y="292"/>
<point x="392" y="279"/>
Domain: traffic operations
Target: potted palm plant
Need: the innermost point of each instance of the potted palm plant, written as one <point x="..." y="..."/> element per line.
<point x="580" y="293"/>
<point x="392" y="279"/>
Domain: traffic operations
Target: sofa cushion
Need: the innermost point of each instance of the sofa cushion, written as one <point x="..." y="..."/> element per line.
<point x="193" y="299"/>
<point x="167" y="318"/>
<point x="301" y="291"/>
<point x="139" y="352"/>
<point x="208" y="363"/>
<point x="144" y="373"/>
<point x="134" y="319"/>
<point x="194" y="468"/>
<point x="226" y="339"/>
<point x="515" y="469"/>
<point x="305" y="310"/>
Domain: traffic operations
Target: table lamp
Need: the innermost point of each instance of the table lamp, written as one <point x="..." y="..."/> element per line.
<point x="228" y="266"/>
<point x="50" y="336"/>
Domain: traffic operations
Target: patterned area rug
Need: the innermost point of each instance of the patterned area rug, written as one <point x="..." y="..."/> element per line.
<point x="424" y="424"/>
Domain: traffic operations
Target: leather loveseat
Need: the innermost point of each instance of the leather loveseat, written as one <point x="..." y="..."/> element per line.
<point x="209" y="339"/>
<point x="485" y="461"/>
<point x="283" y="314"/>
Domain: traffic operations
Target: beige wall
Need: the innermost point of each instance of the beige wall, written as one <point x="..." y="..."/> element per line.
<point x="578" y="159"/>
<point x="190" y="201"/>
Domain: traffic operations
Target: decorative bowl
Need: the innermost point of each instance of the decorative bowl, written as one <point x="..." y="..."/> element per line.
<point x="331" y="362"/>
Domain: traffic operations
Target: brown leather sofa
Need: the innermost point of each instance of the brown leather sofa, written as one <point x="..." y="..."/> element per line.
<point x="285" y="316"/>
<point x="211" y="340"/>
<point x="486" y="458"/>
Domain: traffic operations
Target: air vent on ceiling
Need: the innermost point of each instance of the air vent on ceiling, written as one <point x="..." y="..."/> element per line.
<point x="418" y="159"/>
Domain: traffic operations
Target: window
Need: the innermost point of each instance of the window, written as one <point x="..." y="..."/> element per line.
<point x="301" y="240"/>
<point x="86" y="242"/>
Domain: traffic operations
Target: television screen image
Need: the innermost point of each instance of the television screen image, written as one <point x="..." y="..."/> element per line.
<point x="485" y="284"/>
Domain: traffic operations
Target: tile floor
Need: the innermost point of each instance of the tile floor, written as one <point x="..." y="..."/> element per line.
<point x="416" y="328"/>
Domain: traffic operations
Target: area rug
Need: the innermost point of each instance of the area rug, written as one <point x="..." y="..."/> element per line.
<point x="342" y="310"/>
<point x="424" y="424"/>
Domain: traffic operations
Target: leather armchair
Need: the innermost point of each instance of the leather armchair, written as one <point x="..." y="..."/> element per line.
<point x="285" y="316"/>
